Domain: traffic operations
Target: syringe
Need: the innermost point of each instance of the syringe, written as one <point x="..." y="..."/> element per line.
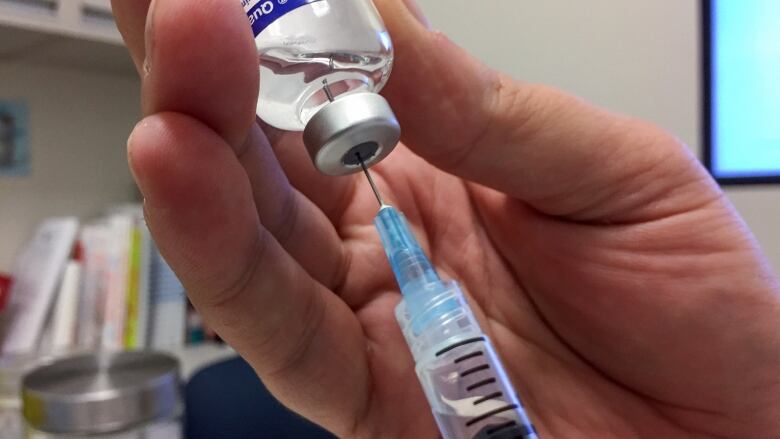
<point x="463" y="378"/>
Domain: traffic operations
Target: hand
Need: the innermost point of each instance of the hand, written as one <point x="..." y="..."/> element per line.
<point x="624" y="294"/>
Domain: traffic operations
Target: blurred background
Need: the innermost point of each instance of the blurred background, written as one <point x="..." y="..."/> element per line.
<point x="69" y="97"/>
<point x="639" y="58"/>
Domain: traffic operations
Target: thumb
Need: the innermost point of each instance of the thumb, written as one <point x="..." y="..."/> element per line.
<point x="554" y="151"/>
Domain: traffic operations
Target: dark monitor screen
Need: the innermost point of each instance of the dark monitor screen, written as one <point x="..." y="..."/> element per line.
<point x="741" y="48"/>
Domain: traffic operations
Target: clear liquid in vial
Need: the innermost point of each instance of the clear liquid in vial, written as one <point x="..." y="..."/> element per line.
<point x="343" y="42"/>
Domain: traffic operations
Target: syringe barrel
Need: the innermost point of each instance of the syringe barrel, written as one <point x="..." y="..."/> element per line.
<point x="464" y="381"/>
<point x="463" y="378"/>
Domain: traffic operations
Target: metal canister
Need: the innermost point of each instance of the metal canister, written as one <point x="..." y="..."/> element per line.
<point x="124" y="395"/>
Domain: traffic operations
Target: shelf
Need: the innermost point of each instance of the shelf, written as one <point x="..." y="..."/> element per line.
<point x="37" y="36"/>
<point x="36" y="48"/>
<point x="85" y="19"/>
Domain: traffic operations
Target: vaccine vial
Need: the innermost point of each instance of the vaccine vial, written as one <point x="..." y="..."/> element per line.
<point x="322" y="64"/>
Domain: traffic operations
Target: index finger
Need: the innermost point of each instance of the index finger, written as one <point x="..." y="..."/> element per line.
<point x="303" y="340"/>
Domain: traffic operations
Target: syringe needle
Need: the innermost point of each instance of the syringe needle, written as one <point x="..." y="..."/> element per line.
<point x="326" y="88"/>
<point x="370" y="180"/>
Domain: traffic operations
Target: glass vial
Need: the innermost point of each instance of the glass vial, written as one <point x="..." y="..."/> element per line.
<point x="314" y="54"/>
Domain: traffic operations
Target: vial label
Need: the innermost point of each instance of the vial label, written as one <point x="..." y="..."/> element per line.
<point x="262" y="13"/>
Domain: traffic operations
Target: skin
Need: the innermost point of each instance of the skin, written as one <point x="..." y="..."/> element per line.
<point x="624" y="294"/>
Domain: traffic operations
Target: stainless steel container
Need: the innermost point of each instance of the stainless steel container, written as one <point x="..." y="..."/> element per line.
<point x="124" y="395"/>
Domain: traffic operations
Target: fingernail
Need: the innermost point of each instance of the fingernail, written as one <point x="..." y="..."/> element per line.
<point x="415" y="9"/>
<point x="147" y="67"/>
<point x="149" y="39"/>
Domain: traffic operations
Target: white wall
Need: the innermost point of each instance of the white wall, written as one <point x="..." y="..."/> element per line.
<point x="633" y="56"/>
<point x="79" y="121"/>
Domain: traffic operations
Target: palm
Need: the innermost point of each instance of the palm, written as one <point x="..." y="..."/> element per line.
<point x="458" y="224"/>
<point x="543" y="288"/>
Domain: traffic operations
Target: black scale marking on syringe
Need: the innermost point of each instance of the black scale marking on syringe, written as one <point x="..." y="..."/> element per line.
<point x="479" y="384"/>
<point x="509" y="429"/>
<point x="467" y="356"/>
<point x="506" y="430"/>
<point x="459" y="344"/>
<point x="493" y="395"/>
